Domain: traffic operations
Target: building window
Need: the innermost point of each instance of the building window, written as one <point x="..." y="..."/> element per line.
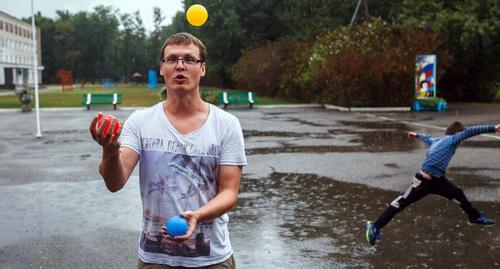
<point x="1" y="25"/>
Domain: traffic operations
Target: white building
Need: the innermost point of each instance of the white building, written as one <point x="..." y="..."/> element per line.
<point x="16" y="53"/>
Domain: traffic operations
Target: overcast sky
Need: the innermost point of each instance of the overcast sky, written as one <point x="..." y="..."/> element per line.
<point x="22" y="8"/>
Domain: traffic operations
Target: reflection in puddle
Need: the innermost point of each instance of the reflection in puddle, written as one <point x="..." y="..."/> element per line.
<point x="370" y="142"/>
<point x="253" y="133"/>
<point x="387" y="136"/>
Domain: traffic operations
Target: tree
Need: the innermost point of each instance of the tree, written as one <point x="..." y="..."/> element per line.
<point x="155" y="40"/>
<point x="133" y="45"/>
<point x="473" y="35"/>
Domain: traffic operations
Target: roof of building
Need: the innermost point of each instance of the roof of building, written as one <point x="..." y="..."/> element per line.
<point x="14" y="18"/>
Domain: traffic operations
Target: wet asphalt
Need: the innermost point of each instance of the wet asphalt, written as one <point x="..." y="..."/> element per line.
<point x="314" y="177"/>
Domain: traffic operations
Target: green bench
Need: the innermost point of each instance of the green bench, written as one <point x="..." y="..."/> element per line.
<point x="101" y="99"/>
<point x="237" y="98"/>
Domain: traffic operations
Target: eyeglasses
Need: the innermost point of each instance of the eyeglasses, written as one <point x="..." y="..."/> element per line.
<point x="187" y="60"/>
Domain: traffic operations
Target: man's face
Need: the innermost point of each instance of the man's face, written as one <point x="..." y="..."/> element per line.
<point x="182" y="74"/>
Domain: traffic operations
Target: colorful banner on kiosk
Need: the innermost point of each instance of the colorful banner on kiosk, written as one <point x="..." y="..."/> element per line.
<point x="425" y="76"/>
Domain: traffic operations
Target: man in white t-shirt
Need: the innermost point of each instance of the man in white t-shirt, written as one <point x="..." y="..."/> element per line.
<point x="191" y="155"/>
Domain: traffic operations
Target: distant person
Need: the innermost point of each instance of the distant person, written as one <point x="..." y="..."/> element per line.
<point x="191" y="156"/>
<point x="431" y="178"/>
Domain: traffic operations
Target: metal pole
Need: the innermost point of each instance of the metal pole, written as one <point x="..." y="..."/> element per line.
<point x="35" y="72"/>
<point x="355" y="13"/>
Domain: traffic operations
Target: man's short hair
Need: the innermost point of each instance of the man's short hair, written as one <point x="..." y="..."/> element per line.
<point x="454" y="128"/>
<point x="185" y="39"/>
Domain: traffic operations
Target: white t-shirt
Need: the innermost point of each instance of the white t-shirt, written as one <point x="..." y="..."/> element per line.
<point x="178" y="173"/>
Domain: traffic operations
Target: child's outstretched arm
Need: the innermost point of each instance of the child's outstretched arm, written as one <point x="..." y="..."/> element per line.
<point x="424" y="137"/>
<point x="473" y="131"/>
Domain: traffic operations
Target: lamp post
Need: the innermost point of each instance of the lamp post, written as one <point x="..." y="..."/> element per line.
<point x="35" y="72"/>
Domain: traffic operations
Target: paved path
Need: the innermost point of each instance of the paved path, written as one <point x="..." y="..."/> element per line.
<point x="314" y="177"/>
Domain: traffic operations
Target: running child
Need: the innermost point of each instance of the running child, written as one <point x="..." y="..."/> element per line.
<point x="431" y="178"/>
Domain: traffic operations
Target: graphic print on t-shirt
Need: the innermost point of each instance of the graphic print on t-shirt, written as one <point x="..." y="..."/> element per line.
<point x="179" y="182"/>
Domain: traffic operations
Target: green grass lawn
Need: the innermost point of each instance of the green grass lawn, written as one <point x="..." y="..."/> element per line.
<point x="132" y="96"/>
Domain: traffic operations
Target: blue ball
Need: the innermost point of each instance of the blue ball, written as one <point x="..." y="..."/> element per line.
<point x="176" y="226"/>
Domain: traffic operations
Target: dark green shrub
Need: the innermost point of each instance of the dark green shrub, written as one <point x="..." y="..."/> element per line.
<point x="371" y="64"/>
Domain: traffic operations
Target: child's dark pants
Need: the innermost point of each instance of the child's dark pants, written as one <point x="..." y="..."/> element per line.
<point x="420" y="188"/>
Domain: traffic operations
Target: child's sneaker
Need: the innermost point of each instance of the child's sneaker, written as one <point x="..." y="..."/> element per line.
<point x="372" y="234"/>
<point x="482" y="221"/>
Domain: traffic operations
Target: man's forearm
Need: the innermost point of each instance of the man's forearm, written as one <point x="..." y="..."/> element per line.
<point x="111" y="170"/>
<point x="222" y="203"/>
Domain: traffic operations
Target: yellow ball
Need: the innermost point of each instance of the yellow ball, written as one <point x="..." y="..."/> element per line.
<point x="197" y="15"/>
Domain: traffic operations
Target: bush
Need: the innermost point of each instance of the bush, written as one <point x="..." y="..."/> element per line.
<point x="258" y="69"/>
<point x="294" y="81"/>
<point x="276" y="69"/>
<point x="371" y="64"/>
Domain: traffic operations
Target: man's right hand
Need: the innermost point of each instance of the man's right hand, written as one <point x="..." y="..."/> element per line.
<point x="109" y="142"/>
<point x="497" y="127"/>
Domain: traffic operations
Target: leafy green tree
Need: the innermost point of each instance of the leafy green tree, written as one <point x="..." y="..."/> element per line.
<point x="155" y="39"/>
<point x="133" y="45"/>
<point x="48" y="33"/>
<point x="473" y="35"/>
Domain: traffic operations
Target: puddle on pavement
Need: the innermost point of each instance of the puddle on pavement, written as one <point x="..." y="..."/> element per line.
<point x="254" y="133"/>
<point x="466" y="177"/>
<point x="383" y="141"/>
<point x="377" y="125"/>
<point x="307" y="221"/>
<point x="384" y="136"/>
<point x="391" y="165"/>
<point x="482" y="144"/>
<point x="387" y="136"/>
<point x="304" y="122"/>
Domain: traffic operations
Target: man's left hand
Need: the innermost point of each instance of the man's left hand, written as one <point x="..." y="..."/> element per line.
<point x="192" y="219"/>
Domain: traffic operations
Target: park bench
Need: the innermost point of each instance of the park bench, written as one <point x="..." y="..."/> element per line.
<point x="237" y="98"/>
<point x="101" y="99"/>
